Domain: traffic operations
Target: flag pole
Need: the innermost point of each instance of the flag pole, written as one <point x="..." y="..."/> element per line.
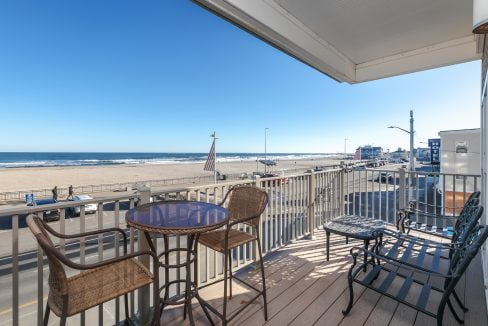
<point x="215" y="158"/>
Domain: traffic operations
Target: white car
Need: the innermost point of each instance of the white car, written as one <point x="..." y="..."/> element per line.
<point x="89" y="208"/>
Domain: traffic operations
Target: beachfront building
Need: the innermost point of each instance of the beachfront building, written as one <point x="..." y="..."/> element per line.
<point x="349" y="41"/>
<point x="400" y="155"/>
<point x="368" y="152"/>
<point x="422" y="154"/>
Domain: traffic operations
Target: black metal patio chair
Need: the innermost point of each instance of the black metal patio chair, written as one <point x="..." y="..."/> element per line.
<point x="413" y="251"/>
<point x="413" y="292"/>
<point x="403" y="247"/>
<point x="431" y="219"/>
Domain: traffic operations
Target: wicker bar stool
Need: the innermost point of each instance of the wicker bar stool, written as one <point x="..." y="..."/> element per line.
<point x="96" y="283"/>
<point x="246" y="204"/>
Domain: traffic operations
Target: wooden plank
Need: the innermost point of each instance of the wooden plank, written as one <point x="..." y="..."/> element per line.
<point x="251" y="315"/>
<point x="306" y="290"/>
<point x="385" y="308"/>
<point x="326" y="272"/>
<point x="475" y="294"/>
<point x="296" y="256"/>
<point x="364" y="306"/>
<point x="298" y="304"/>
<point x="330" y="303"/>
<point x="273" y="265"/>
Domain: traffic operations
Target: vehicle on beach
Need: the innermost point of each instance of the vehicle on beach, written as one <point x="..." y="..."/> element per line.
<point x="316" y="169"/>
<point x="89" y="208"/>
<point x="220" y="176"/>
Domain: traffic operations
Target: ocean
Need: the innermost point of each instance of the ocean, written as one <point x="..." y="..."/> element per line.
<point x="42" y="159"/>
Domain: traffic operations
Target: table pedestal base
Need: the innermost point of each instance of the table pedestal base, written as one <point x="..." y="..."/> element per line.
<point x="191" y="289"/>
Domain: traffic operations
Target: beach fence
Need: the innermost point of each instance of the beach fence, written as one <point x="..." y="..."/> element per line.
<point x="108" y="187"/>
<point x="63" y="191"/>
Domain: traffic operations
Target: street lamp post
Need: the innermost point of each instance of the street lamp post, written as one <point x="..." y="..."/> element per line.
<point x="411" y="133"/>
<point x="412" y="156"/>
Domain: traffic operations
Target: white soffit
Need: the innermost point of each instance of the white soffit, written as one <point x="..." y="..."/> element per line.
<point x="360" y="40"/>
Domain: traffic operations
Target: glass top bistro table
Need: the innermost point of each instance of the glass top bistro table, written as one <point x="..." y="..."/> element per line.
<point x="188" y="218"/>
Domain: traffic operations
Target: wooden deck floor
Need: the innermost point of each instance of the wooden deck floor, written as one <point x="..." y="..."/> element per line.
<point x="304" y="289"/>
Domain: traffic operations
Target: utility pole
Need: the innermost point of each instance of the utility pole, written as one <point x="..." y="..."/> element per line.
<point x="411" y="156"/>
<point x="412" y="132"/>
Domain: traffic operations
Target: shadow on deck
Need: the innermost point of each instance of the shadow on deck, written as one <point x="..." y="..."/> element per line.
<point x="305" y="289"/>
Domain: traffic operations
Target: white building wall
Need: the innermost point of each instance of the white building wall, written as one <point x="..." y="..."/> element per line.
<point x="484" y="151"/>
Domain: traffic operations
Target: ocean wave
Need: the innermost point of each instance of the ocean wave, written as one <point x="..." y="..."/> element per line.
<point x="163" y="158"/>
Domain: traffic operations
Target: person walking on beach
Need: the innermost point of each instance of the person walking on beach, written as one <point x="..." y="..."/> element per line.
<point x="55" y="193"/>
<point x="70" y="192"/>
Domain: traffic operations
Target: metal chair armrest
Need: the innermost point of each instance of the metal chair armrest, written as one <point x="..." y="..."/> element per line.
<point x="355" y="251"/>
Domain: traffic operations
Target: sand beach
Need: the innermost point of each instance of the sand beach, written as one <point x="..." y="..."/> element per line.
<point x="14" y="179"/>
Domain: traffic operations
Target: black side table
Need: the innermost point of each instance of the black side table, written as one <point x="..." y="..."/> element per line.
<point x="352" y="226"/>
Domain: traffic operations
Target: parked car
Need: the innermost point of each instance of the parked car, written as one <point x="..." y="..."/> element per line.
<point x="384" y="176"/>
<point x="48" y="215"/>
<point x="89" y="208"/>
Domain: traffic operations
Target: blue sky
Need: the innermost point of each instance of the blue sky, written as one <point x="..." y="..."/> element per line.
<point x="162" y="75"/>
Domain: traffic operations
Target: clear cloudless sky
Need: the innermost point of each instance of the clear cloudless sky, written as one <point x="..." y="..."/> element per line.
<point x="159" y="76"/>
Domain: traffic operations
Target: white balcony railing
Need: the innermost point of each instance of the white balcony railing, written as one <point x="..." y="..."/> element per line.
<point x="298" y="204"/>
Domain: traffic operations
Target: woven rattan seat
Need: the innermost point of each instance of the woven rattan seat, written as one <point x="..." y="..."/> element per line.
<point x="216" y="239"/>
<point x="246" y="204"/>
<point x="102" y="284"/>
<point x="95" y="283"/>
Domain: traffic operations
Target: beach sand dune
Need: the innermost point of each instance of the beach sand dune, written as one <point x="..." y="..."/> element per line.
<point x="14" y="179"/>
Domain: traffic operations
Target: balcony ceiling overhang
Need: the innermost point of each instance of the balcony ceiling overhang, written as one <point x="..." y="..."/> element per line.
<point x="360" y="40"/>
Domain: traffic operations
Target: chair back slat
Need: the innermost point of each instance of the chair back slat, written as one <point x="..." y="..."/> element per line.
<point x="463" y="257"/>
<point x="467" y="222"/>
<point x="246" y="202"/>
<point x="58" y="283"/>
<point x="473" y="201"/>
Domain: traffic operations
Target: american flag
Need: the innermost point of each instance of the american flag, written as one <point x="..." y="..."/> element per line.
<point x="210" y="164"/>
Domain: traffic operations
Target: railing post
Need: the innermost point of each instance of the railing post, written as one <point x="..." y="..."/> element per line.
<point x="342" y="202"/>
<point x="144" y="293"/>
<point x="255" y="254"/>
<point x="311" y="205"/>
<point x="401" y="189"/>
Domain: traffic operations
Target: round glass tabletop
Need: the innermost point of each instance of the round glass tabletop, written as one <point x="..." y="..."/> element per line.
<point x="177" y="217"/>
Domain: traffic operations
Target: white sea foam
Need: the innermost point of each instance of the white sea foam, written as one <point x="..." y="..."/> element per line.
<point x="169" y="159"/>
